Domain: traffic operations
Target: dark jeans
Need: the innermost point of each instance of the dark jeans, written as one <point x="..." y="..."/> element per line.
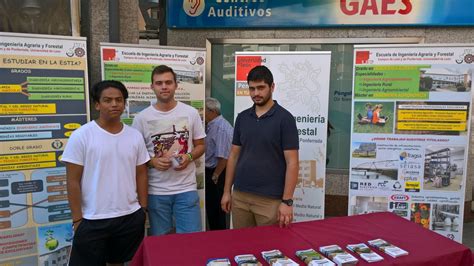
<point x="215" y="215"/>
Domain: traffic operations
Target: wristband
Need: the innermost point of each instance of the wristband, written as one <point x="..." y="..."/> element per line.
<point x="76" y="221"/>
<point x="190" y="156"/>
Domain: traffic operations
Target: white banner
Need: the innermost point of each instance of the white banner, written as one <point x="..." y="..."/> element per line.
<point x="133" y="64"/>
<point x="43" y="99"/>
<point x="302" y="87"/>
<point x="410" y="133"/>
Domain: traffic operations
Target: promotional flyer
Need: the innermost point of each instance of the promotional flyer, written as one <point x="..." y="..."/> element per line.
<point x="133" y="64"/>
<point x="410" y="133"/>
<point x="302" y="87"/>
<point x="43" y="99"/>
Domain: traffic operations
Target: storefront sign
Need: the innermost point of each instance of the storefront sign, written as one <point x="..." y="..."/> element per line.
<point x="317" y="13"/>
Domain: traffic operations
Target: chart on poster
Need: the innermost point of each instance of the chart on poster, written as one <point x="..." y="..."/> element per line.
<point x="410" y="133"/>
<point x="43" y="92"/>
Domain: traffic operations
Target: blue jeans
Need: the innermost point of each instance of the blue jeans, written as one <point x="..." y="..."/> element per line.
<point x="184" y="207"/>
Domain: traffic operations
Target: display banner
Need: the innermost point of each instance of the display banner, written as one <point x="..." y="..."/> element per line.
<point x="43" y="99"/>
<point x="302" y="87"/>
<point x="317" y="13"/>
<point x="410" y="133"/>
<point x="133" y="64"/>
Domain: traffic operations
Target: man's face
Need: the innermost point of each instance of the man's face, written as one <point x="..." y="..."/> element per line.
<point x="111" y="104"/>
<point x="164" y="87"/>
<point x="260" y="92"/>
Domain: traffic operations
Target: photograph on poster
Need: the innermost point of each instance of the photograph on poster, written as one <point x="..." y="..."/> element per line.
<point x="54" y="244"/>
<point x="307" y="175"/>
<point x="135" y="107"/>
<point x="443" y="168"/>
<point x="367" y="204"/>
<point x="364" y="150"/>
<point x="445" y="218"/>
<point x="381" y="170"/>
<point x="188" y="76"/>
<point x="373" y="117"/>
<point x="445" y="79"/>
<point x="432" y="118"/>
<point x="420" y="214"/>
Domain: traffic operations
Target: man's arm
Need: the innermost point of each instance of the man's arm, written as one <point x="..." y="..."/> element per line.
<point x="221" y="163"/>
<point x="74" y="193"/>
<point x="229" y="177"/>
<point x="285" y="212"/>
<point x="142" y="185"/>
<point x="198" y="151"/>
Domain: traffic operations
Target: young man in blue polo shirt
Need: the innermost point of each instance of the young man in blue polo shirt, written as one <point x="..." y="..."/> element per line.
<point x="263" y="162"/>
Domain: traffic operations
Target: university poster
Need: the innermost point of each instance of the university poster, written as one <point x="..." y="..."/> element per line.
<point x="302" y="87"/>
<point x="43" y="99"/>
<point x="133" y="64"/>
<point x="410" y="133"/>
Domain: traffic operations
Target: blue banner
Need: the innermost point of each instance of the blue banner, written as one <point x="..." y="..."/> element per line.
<point x="317" y="13"/>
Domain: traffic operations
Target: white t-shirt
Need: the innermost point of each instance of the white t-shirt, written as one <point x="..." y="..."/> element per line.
<point x="167" y="134"/>
<point x="108" y="184"/>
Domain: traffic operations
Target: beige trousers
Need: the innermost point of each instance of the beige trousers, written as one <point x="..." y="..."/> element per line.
<point x="250" y="210"/>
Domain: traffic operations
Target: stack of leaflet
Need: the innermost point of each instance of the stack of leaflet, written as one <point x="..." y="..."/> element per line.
<point x="338" y="255"/>
<point x="365" y="252"/>
<point x="276" y="258"/>
<point x="218" y="262"/>
<point x="247" y="260"/>
<point x="388" y="248"/>
<point x="312" y="258"/>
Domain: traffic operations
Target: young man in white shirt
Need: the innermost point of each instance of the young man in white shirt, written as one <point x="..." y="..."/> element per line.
<point x="106" y="182"/>
<point x="174" y="136"/>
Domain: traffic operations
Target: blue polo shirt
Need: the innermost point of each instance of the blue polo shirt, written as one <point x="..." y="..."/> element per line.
<point x="261" y="166"/>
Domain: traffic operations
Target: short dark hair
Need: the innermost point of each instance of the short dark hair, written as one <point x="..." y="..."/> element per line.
<point x="259" y="73"/>
<point x="97" y="89"/>
<point x="162" y="69"/>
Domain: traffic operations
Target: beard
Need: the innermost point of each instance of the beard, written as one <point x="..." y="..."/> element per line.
<point x="261" y="101"/>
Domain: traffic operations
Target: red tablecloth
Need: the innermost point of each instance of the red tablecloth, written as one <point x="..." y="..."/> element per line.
<point x="425" y="247"/>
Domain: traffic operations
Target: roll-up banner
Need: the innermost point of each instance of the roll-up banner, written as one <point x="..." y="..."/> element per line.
<point x="410" y="133"/>
<point x="43" y="99"/>
<point x="302" y="87"/>
<point x="133" y="64"/>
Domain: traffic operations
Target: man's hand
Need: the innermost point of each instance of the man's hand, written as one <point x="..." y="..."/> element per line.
<point x="285" y="215"/>
<point x="184" y="161"/>
<point x="76" y="225"/>
<point x="226" y="204"/>
<point x="161" y="163"/>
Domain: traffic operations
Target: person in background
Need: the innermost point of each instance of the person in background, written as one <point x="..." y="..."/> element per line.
<point x="263" y="159"/>
<point x="106" y="182"/>
<point x="174" y="136"/>
<point x="218" y="142"/>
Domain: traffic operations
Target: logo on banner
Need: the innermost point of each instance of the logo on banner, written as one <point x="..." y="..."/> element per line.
<point x="399" y="197"/>
<point x="193" y="8"/>
<point x="108" y="54"/>
<point x="405" y="155"/>
<point x="412" y="186"/>
<point x="78" y="50"/>
<point x="354" y="185"/>
<point x="362" y="57"/>
<point x="467" y="57"/>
